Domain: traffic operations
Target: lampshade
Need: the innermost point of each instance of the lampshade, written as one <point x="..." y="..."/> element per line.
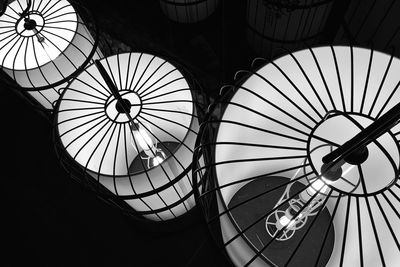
<point x="133" y="143"/>
<point x="273" y="196"/>
<point x="188" y="11"/>
<point x="43" y="44"/>
<point x="290" y="24"/>
<point x="372" y="21"/>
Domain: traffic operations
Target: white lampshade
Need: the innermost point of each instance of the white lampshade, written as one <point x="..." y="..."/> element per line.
<point x="188" y="11"/>
<point x="277" y="125"/>
<point x="44" y="48"/>
<point x="94" y="132"/>
<point x="288" y="24"/>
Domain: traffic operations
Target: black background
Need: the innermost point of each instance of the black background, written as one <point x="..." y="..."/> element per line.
<point x="49" y="220"/>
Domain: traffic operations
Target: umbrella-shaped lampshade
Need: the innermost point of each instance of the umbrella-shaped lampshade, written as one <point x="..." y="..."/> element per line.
<point x="188" y="11"/>
<point x="132" y="130"/>
<point x="43" y="44"/>
<point x="273" y="195"/>
<point x="289" y="24"/>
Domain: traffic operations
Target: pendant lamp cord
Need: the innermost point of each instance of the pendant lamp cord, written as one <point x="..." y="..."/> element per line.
<point x="4" y="5"/>
<point x="28" y="6"/>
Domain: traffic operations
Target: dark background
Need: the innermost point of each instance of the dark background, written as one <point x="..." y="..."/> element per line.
<point x="49" y="220"/>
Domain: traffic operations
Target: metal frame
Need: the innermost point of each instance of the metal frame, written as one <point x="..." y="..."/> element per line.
<point x="90" y="22"/>
<point x="80" y="173"/>
<point x="208" y="190"/>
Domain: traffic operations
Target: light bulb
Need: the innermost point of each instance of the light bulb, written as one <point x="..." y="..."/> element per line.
<point x="286" y="221"/>
<point x="144" y="140"/>
<point x="289" y="221"/>
<point x="158" y="159"/>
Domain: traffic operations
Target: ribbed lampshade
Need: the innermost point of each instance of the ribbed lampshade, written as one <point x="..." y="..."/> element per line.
<point x="273" y="24"/>
<point x="188" y="11"/>
<point x="137" y="150"/>
<point x="267" y="197"/>
<point x="43" y="48"/>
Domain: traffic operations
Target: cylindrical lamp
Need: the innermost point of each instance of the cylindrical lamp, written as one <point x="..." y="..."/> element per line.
<point x="372" y="21"/>
<point x="42" y="45"/>
<point x="126" y="128"/>
<point x="272" y="24"/>
<point x="303" y="165"/>
<point x="188" y="11"/>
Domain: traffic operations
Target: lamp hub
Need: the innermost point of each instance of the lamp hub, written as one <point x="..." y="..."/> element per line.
<point x="116" y="109"/>
<point x="30" y="24"/>
<point x="358" y="156"/>
<point x="331" y="174"/>
<point x="123" y="106"/>
<point x="365" y="171"/>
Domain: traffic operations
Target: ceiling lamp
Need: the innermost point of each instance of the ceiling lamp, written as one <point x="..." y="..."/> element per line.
<point x="372" y="21"/>
<point x="188" y="11"/>
<point x="303" y="168"/>
<point x="42" y="45"/>
<point x="272" y="24"/>
<point x="126" y="128"/>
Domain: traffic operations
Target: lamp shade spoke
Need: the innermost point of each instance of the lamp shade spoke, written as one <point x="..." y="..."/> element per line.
<point x="212" y="190"/>
<point x="167" y="93"/>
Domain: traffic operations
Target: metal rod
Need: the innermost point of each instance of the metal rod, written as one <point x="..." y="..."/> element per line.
<point x="114" y="90"/>
<point x="366" y="136"/>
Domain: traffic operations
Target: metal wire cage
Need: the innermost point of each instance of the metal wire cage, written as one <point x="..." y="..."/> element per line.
<point x="43" y="44"/>
<point x="188" y="11"/>
<point x="268" y="194"/>
<point x="372" y="21"/>
<point x="289" y="24"/>
<point x="126" y="128"/>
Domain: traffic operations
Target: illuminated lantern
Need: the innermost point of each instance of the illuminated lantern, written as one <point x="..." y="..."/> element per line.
<point x="303" y="166"/>
<point x="42" y="45"/>
<point x="126" y="128"/>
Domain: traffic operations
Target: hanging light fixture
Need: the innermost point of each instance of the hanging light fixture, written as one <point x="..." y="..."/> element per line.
<point x="303" y="164"/>
<point x="42" y="45"/>
<point x="372" y="21"/>
<point x="188" y="11"/>
<point x="289" y="24"/>
<point x="126" y="128"/>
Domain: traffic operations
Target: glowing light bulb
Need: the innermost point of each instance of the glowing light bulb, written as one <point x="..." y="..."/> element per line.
<point x="285" y="221"/>
<point x="144" y="140"/>
<point x="158" y="159"/>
